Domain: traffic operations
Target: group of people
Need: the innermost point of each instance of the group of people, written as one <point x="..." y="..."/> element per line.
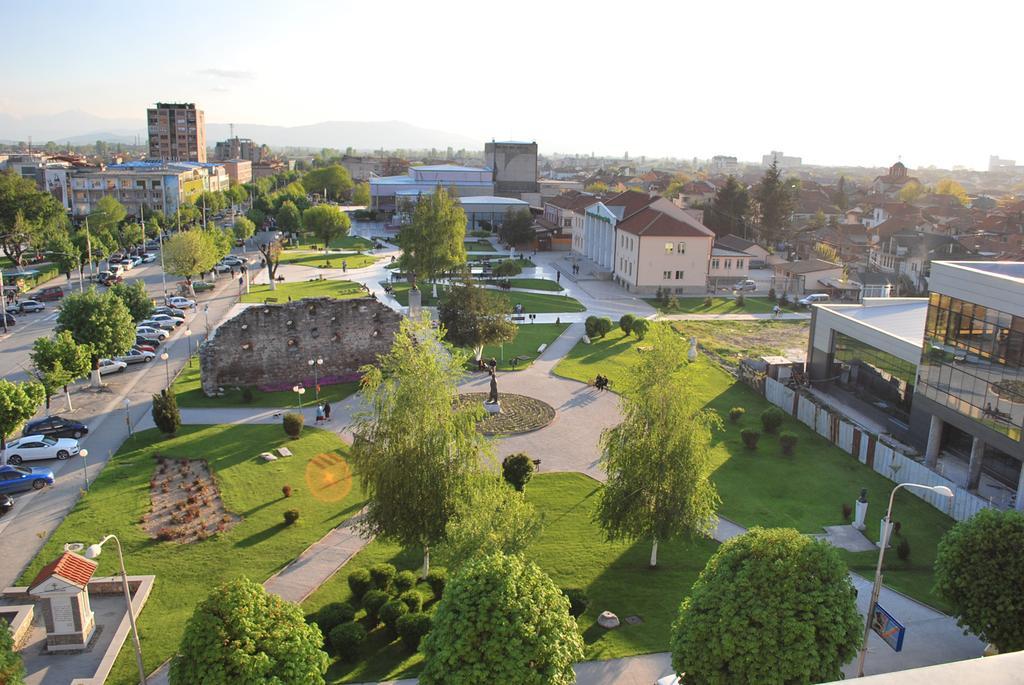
<point x="575" y="269"/>
<point x="323" y="412"/>
<point x="601" y="382"/>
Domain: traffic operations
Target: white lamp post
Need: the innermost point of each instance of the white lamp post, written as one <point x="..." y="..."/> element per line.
<point x="83" y="453"/>
<point x="315" y="364"/>
<point x="188" y="339"/>
<point x="882" y="543"/>
<point x="167" y="368"/>
<point x="93" y="551"/>
<point x="300" y="391"/>
<point x="127" y="416"/>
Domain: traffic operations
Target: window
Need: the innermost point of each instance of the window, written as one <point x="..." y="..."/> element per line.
<point x="679" y="275"/>
<point x="728" y="264"/>
<point x="714" y="263"/>
<point x="669" y="248"/>
<point x="681" y="248"/>
<point x="739" y="263"/>
<point x="666" y="275"/>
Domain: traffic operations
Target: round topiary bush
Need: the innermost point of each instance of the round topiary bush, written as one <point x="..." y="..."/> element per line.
<point x="412" y="599"/>
<point x="383" y="575"/>
<point x="247" y="396"/>
<point x="346" y="640"/>
<point x="578" y="601"/>
<point x="640" y="328"/>
<point x="291" y="516"/>
<point x="517" y="469"/>
<point x="411" y="628"/>
<point x="373" y="600"/>
<point x="390" y="613"/>
<point x="359" y="582"/>
<point x="604" y="326"/>
<point x="334" y="614"/>
<point x="771" y="419"/>
<point x="404" y="580"/>
<point x="741" y="301"/>
<point x="707" y="303"/>
<point x="788" y="441"/>
<point x="293" y="423"/>
<point x="626" y="323"/>
<point x="736" y="413"/>
<point x="437" y="577"/>
<point x="750" y="438"/>
<point x="591" y="326"/>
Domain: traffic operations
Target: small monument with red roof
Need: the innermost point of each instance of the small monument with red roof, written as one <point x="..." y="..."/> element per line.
<point x="62" y="588"/>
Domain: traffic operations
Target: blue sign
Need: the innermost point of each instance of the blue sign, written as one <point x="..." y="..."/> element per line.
<point x="888" y="628"/>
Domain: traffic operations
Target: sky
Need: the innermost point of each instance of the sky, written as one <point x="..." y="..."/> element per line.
<point x="865" y="83"/>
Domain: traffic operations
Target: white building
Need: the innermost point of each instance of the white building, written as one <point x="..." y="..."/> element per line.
<point x="465" y="181"/>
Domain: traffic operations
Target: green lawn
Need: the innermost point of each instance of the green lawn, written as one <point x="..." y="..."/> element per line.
<point x="528" y="338"/>
<point x="329" y="261"/>
<point x="719" y="305"/>
<point x="533" y="303"/>
<point x="574" y="552"/>
<point x="188" y="389"/>
<point x="296" y="290"/>
<point x="806" y="490"/>
<point x="531" y="284"/>
<point x="521" y="261"/>
<point x="348" y="242"/>
<point x="185" y="573"/>
<point x="479" y="245"/>
<point x="733" y="340"/>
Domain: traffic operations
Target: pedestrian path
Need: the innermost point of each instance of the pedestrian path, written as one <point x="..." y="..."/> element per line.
<point x="788" y="316"/>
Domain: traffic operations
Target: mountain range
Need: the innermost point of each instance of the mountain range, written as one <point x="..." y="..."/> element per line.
<point x="79" y="128"/>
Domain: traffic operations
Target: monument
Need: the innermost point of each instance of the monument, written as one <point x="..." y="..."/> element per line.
<point x="492" y="405"/>
<point x="62" y="588"/>
<point x="861" y="510"/>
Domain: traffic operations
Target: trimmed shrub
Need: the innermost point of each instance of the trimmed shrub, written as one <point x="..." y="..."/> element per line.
<point x="672" y="303"/>
<point x="293" y="422"/>
<point x="359" y="582"/>
<point x="382" y="575"/>
<point x="903" y="549"/>
<point x="165" y="412"/>
<point x="604" y="326"/>
<point x="286" y="491"/>
<point x="784" y="300"/>
<point x="578" y="601"/>
<point x="741" y="301"/>
<point x="788" y="441"/>
<point x="707" y="302"/>
<point x="517" y="469"/>
<point x="437" y="578"/>
<point x="591" y="326"/>
<point x="373" y="600"/>
<point x="390" y="613"/>
<point x="291" y="516"/>
<point x="334" y="614"/>
<point x="346" y="640"/>
<point x="736" y="413"/>
<point x="405" y="580"/>
<point x="640" y="328"/>
<point x="247" y="396"/>
<point x="412" y="599"/>
<point x="661" y="297"/>
<point x="896" y="525"/>
<point x="771" y="419"/>
<point x="750" y="438"/>
<point x="411" y="628"/>
<point x="771" y="295"/>
<point x="847" y="511"/>
<point x="626" y="323"/>
<point x="507" y="268"/>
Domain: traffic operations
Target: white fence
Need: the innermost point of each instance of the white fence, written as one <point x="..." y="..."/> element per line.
<point x="865" y="446"/>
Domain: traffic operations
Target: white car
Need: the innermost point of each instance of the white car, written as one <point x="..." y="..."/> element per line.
<point x="150" y="333"/>
<point x="170" y="311"/>
<point x="148" y="258"/>
<point x="32" y="447"/>
<point x="181" y="303"/>
<point x="223" y="268"/>
<point x="814" y="298"/>
<point x="111" y="366"/>
<point x="155" y="323"/>
<point x="169" y="318"/>
<point x="134" y="356"/>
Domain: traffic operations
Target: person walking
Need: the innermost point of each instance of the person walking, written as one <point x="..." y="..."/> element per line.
<point x="344" y="266"/>
<point x="319" y="413"/>
<point x="558" y="276"/>
<point x="327" y="411"/>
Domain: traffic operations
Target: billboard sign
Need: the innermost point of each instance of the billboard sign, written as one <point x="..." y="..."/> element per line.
<point x="888" y="628"/>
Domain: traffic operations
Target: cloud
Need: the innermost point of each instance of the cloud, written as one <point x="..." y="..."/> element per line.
<point x="227" y="73"/>
<point x="220" y="89"/>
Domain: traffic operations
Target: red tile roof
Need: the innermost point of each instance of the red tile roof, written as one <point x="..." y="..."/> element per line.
<point x="662" y="218"/>
<point x="69" y="567"/>
<point x="630" y="200"/>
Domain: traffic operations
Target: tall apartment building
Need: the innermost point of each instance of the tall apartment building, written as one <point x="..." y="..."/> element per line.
<point x="177" y="132"/>
<point x="513" y="166"/>
<point x="237" y="148"/>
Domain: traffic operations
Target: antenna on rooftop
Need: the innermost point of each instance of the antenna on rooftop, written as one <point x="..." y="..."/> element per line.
<point x="232" y="127"/>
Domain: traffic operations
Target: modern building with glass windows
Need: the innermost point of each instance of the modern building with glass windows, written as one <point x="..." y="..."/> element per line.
<point x="945" y="374"/>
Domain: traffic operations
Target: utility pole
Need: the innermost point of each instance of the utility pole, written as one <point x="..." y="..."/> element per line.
<point x="3" y="299"/>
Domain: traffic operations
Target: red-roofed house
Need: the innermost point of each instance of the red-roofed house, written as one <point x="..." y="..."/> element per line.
<point x="61" y="588"/>
<point x="891" y="183"/>
<point x="596" y="238"/>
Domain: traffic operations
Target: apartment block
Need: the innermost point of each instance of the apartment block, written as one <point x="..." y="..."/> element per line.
<point x="177" y="132"/>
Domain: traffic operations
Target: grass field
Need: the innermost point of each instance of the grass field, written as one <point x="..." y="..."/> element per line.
<point x="733" y="340"/>
<point x="188" y="389"/>
<point x="296" y="290"/>
<point x="185" y="573"/>
<point x="479" y="245"/>
<point x="329" y="261"/>
<point x="528" y="338"/>
<point x="348" y="242"/>
<point x="805" y="490"/>
<point x="573" y="551"/>
<point x="531" y="284"/>
<point x="719" y="305"/>
<point x="521" y="261"/>
<point x="533" y="303"/>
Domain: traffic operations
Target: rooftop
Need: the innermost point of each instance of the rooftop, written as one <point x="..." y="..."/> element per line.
<point x="807" y="266"/>
<point x="1012" y="271"/>
<point x="902" y="318"/>
<point x="493" y="200"/>
<point x="450" y="167"/>
<point x="69" y="567"/>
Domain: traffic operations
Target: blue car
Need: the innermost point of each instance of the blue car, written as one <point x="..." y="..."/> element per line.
<point x="18" y="478"/>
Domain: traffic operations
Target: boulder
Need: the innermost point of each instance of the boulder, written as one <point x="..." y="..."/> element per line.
<point x="608" y="620"/>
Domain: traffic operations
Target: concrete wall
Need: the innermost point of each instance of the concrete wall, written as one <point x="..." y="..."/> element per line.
<point x="269" y="346"/>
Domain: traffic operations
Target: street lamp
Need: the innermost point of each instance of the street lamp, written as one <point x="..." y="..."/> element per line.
<point x="167" y="368"/>
<point x="127" y="416"/>
<point x="300" y="391"/>
<point x="315" y="363"/>
<point x="877" y="587"/>
<point x="206" y="312"/>
<point x="93" y="551"/>
<point x="188" y="338"/>
<point x="83" y="453"/>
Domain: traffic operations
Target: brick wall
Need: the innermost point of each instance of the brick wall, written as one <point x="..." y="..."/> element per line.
<point x="270" y="345"/>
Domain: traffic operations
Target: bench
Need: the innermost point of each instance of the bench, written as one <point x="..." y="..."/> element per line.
<point x="284" y="451"/>
<point x="268" y="300"/>
<point x="519" y="318"/>
<point x="540" y="350"/>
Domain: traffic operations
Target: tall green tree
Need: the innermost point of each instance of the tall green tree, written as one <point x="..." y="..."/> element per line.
<point x="978" y="569"/>
<point x="12" y="670"/>
<point x="658" y="460"/>
<point x="775" y="201"/>
<point x="135" y="298"/>
<point x="326" y="222"/>
<point x="771" y="606"/>
<point x="190" y="253"/>
<point x="474" y="317"/>
<point x="361" y="194"/>
<point x="243" y="634"/>
<point x="107" y="216"/>
<point x="675" y="187"/>
<point x="433" y="241"/>
<point x="58" y="361"/>
<point x="64" y="252"/>
<point x="221" y="240"/>
<point x="243" y="228"/>
<point x="335" y="179"/>
<point x="517" y="229"/>
<point x="100" y="321"/>
<point x="416" y="449"/>
<point x="729" y="212"/>
<point x="18" y="403"/>
<point x="948" y="186"/>
<point x="130" y="235"/>
<point x="25" y="214"/>
<point x="288" y="218"/>
<point x="501" y="619"/>
<point x="492" y="517"/>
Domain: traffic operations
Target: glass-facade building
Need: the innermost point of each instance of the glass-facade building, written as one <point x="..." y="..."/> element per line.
<point x="875" y="376"/>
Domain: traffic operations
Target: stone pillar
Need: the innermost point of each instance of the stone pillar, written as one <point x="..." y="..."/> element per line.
<point x="1019" y="503"/>
<point x="931" y="452"/>
<point x="974" y="469"/>
<point x="415" y="303"/>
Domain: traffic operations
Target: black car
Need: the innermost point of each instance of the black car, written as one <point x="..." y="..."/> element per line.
<point x="57" y="427"/>
<point x="154" y="343"/>
<point x="10" y="319"/>
<point x="6" y="504"/>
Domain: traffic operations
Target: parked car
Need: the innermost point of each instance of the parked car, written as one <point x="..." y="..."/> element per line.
<point x="181" y="302"/>
<point x="176" y="320"/>
<point x="813" y="298"/>
<point x="18" y="478"/>
<point x="170" y="311"/>
<point x="34" y="447"/>
<point x="111" y="366"/>
<point x="136" y="261"/>
<point x="148" y="258"/>
<point x="234" y="260"/>
<point x="149" y="344"/>
<point x="142" y="347"/>
<point x="11" y="321"/>
<point x="745" y="285"/>
<point x="150" y="333"/>
<point x="152" y="244"/>
<point x="134" y="356"/>
<point x="28" y="307"/>
<point x="56" y="427"/>
<point x="6" y="504"/>
<point x="154" y="323"/>
<point x="49" y="294"/>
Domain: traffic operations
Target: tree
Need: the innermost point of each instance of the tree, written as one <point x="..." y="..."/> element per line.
<point x="818" y="221"/>
<point x="100" y="321"/>
<point x="335" y="179"/>
<point x="517" y="229"/>
<point x="675" y="187"/>
<point x="729" y="210"/>
<point x="415" y="450"/>
<point x="271" y="252"/>
<point x="190" y="253"/>
<point x="771" y="606"/>
<point x="288" y="218"/>
<point x="658" y="460"/>
<point x="911" y="191"/>
<point x="948" y="186"/>
<point x="492" y="517"/>
<point x="839" y="197"/>
<point x="59" y="361"/>
<point x="501" y="620"/>
<point x="244" y="228"/>
<point x="361" y="194"/>
<point x="597" y="187"/>
<point x="327" y="222"/>
<point x="130" y="235"/>
<point x="221" y="239"/>
<point x="257" y="216"/>
<point x="12" y="670"/>
<point x="64" y="251"/>
<point x="165" y="412"/>
<point x="25" y="213"/>
<point x="474" y="317"/>
<point x="978" y="569"/>
<point x="242" y="634"/>
<point x="107" y="216"/>
<point x="18" y="403"/>
<point x="775" y="201"/>
<point x="135" y="298"/>
<point x="433" y="241"/>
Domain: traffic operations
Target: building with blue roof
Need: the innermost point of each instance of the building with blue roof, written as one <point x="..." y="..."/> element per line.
<point x="464" y="181"/>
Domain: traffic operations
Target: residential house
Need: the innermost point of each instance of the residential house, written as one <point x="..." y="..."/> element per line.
<point x="810" y="202"/>
<point x="758" y="255"/>
<point x="892" y="183"/>
<point x="805" y="276"/>
<point x="695" y="193"/>
<point x="727" y="267"/>
<point x="911" y="254"/>
<point x="596" y="238"/>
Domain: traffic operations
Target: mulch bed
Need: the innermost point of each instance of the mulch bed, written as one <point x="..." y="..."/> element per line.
<point x="186" y="503"/>
<point x="519" y="414"/>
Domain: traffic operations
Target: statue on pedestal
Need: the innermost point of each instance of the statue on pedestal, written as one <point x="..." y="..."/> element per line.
<point x="493" y="397"/>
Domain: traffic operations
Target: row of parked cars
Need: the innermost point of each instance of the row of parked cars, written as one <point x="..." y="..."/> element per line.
<point x="51" y="437"/>
<point x="149" y="335"/>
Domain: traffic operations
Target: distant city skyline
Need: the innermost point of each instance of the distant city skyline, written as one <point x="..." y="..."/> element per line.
<point x="853" y="85"/>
